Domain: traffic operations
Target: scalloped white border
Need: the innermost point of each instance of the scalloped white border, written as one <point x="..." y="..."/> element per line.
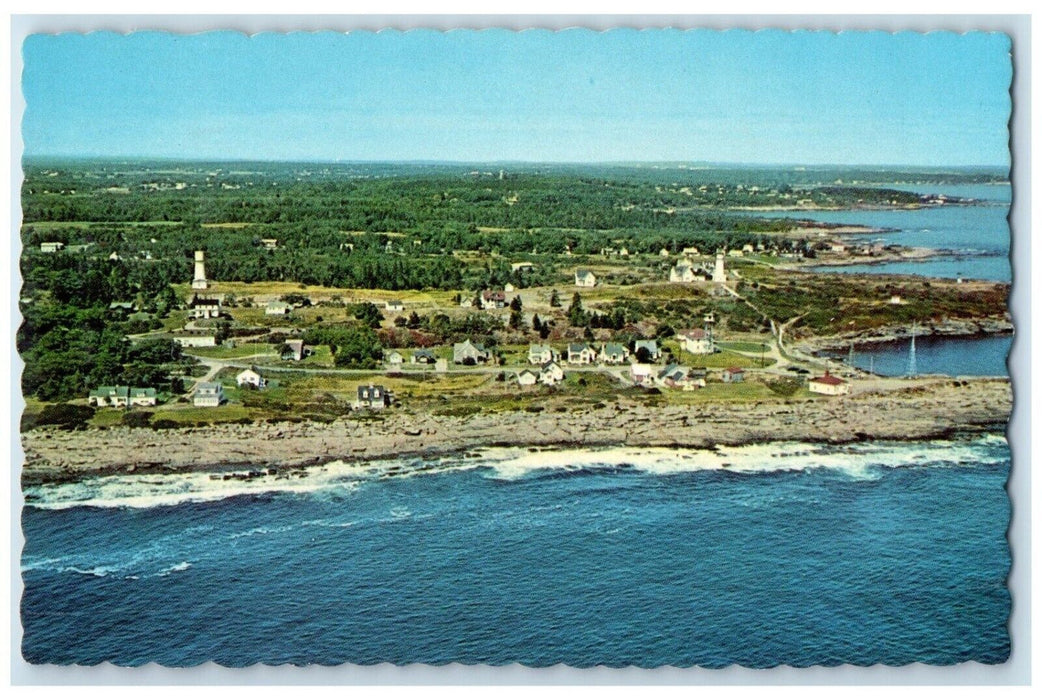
<point x="1015" y="672"/>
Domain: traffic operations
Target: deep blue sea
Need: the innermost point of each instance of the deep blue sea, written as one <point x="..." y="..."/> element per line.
<point x="772" y="554"/>
<point x="961" y="356"/>
<point x="978" y="237"/>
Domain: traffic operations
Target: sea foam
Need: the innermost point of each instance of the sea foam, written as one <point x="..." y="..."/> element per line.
<point x="857" y="460"/>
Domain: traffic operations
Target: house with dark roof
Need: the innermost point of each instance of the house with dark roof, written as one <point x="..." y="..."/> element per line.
<point x="373" y="397"/>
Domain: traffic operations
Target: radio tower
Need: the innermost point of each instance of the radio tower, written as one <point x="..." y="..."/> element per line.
<point x="912" y="369"/>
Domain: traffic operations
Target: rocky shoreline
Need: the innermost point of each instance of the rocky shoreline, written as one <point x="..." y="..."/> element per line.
<point x="896" y="410"/>
<point x="947" y="328"/>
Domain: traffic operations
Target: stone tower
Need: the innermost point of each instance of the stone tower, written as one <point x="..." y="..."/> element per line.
<point x="199" y="280"/>
<point x="719" y="276"/>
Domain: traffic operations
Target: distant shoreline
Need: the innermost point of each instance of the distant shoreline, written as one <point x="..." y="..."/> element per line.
<point x="926" y="408"/>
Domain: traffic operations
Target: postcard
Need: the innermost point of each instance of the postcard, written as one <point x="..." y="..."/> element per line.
<point x="659" y="348"/>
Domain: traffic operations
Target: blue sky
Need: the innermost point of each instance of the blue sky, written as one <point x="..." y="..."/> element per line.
<point x="938" y="99"/>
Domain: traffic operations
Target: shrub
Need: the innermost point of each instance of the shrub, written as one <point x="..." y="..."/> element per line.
<point x="66" y="416"/>
<point x="137" y="419"/>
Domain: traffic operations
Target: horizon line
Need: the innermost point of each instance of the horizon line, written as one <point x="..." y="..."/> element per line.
<point x="462" y="162"/>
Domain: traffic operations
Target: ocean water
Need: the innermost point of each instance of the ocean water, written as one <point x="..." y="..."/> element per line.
<point x="973" y="356"/>
<point x="977" y="236"/>
<point x="784" y="553"/>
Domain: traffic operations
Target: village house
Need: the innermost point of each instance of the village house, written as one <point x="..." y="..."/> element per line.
<point x="122" y="308"/>
<point x="270" y="243"/>
<point x="551" y="373"/>
<point x="394" y="305"/>
<point x="295" y="350"/>
<point x="581" y="354"/>
<point x="493" y="300"/>
<point x="689" y="251"/>
<point x="828" y="385"/>
<point x="122" y="396"/>
<point x="650" y="348"/>
<point x="277" y="308"/>
<point x="527" y="377"/>
<point x="514" y="267"/>
<point x="641" y="373"/>
<point x="423" y="357"/>
<point x="468" y="353"/>
<point x="541" y="354"/>
<point x="196" y="340"/>
<point x="374" y="398"/>
<point x="732" y="375"/>
<point x="685" y="271"/>
<point x="441" y="365"/>
<point x="748" y="248"/>
<point x="613" y="354"/>
<point x="585" y="278"/>
<point x="508" y="287"/>
<point x="208" y="394"/>
<point x="696" y="341"/>
<point x="395" y="358"/>
<point x="51" y="246"/>
<point x="250" y="377"/>
<point x="204" y="307"/>
<point x="675" y="376"/>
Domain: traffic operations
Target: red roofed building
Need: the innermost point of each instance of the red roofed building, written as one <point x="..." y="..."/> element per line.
<point x="828" y="385"/>
<point x="732" y="375"/>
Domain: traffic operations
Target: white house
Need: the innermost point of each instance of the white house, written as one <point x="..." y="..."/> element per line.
<point x="551" y="373"/>
<point x="249" y="377"/>
<point x="394" y="305"/>
<point x="468" y="353"/>
<point x="51" y="246"/>
<point x="208" y="394"/>
<point x="585" y="278"/>
<point x="828" y="385"/>
<point x="696" y="341"/>
<point x="613" y="354"/>
<point x="641" y="373"/>
<point x="373" y="397"/>
<point x="204" y="307"/>
<point x="541" y="354"/>
<point x="493" y="300"/>
<point x="685" y="271"/>
<point x="581" y="354"/>
<point x="527" y="377"/>
<point x="196" y="341"/>
<point x="277" y="308"/>
<point x="122" y="396"/>
<point x="270" y="243"/>
<point x="395" y="358"/>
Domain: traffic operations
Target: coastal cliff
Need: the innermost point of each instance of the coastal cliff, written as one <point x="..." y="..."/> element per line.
<point x="891" y="410"/>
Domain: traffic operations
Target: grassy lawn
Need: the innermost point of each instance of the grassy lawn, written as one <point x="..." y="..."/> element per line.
<point x="186" y="413"/>
<point x="742" y="346"/>
<point x="244" y="350"/>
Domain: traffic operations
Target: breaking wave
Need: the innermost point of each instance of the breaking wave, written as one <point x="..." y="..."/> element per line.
<point x="865" y="461"/>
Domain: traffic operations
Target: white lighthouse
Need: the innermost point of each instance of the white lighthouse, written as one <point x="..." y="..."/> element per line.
<point x="719" y="276"/>
<point x="199" y="281"/>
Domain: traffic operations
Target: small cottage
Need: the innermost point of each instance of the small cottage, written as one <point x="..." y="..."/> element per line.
<point x="696" y="341"/>
<point x="541" y="354"/>
<point x="613" y="354"/>
<point x="650" y="348"/>
<point x="423" y="357"/>
<point x="250" y="377"/>
<point x="277" y="308"/>
<point x="395" y="358"/>
<point x="208" y="395"/>
<point x="295" y="350"/>
<point x="394" y="305"/>
<point x="585" y="278"/>
<point x="732" y="375"/>
<point x="373" y="397"/>
<point x="468" y="353"/>
<point x="581" y="354"/>
<point x="551" y="373"/>
<point x="828" y="385"/>
<point x="527" y="377"/>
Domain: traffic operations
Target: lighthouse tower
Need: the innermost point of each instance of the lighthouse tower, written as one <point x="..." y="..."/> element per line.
<point x="199" y="281"/>
<point x="719" y="276"/>
<point x="709" y="323"/>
